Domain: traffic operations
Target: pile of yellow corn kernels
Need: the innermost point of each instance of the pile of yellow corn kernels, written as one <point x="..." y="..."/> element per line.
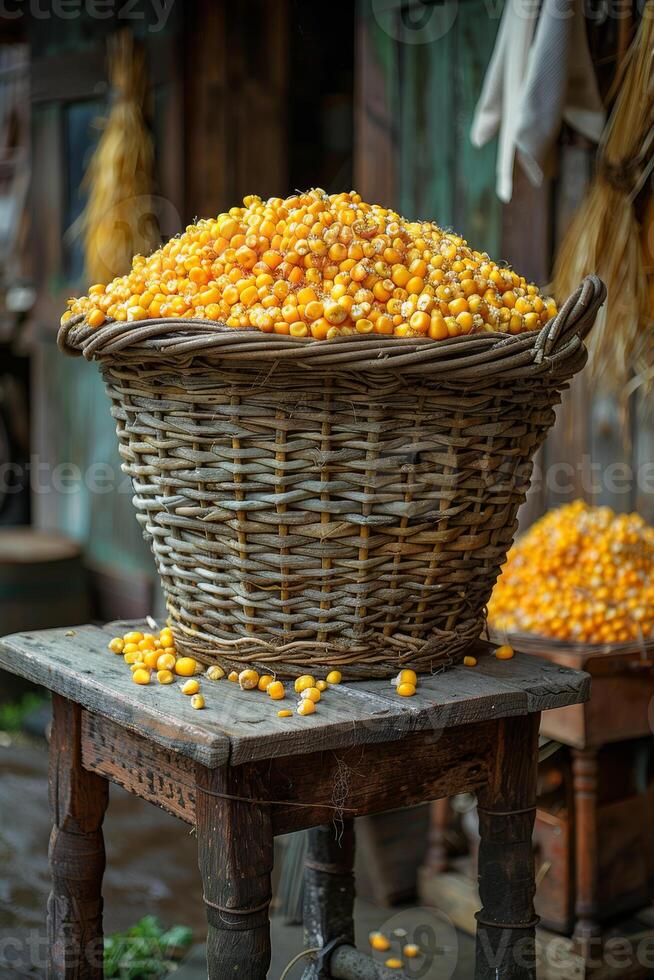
<point x="319" y="266"/>
<point x="155" y="655"/>
<point x="580" y="573"/>
<point x="151" y="655"/>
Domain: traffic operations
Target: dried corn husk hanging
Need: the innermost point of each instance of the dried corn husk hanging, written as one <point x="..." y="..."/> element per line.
<point x="118" y="221"/>
<point x="605" y="235"/>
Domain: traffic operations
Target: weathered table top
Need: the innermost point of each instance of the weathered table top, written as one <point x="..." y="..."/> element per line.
<point x="240" y="726"/>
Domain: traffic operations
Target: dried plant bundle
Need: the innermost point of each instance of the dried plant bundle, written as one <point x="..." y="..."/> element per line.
<point x="605" y="236"/>
<point x="118" y="221"/>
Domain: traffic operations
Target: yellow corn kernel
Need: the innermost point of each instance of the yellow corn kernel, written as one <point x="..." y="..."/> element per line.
<point x="190" y="687"/>
<point x="248" y="679"/>
<point x="215" y="673"/>
<point x="393" y="963"/>
<point x="151" y="658"/>
<point x="420" y="322"/>
<point x="303" y="682"/>
<point x="379" y="941"/>
<point x="411" y="950"/>
<point x="322" y="685"/>
<point x="165" y="661"/>
<point x="276" y="690"/>
<point x="185" y="667"/>
<point x="406" y="690"/>
<point x="116" y="645"/>
<point x="197" y="701"/>
<point x="96" y="318"/>
<point x="131" y="656"/>
<point x="264" y="681"/>
<point x="306" y="707"/>
<point x="335" y="314"/>
<point x="504" y="652"/>
<point x="141" y="676"/>
<point x="285" y="713"/>
<point x="138" y="665"/>
<point x="470" y="661"/>
<point x="312" y="693"/>
<point x="333" y="677"/>
<point x="233" y="676"/>
<point x="165" y="676"/>
<point x="406" y="676"/>
<point x="133" y="637"/>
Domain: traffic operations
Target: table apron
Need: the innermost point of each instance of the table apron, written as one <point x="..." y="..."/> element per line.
<point x="305" y="790"/>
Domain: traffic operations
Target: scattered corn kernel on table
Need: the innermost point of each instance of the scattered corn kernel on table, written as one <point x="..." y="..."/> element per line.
<point x="241" y="775"/>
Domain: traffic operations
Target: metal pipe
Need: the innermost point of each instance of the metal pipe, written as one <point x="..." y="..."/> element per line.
<point x="347" y="963"/>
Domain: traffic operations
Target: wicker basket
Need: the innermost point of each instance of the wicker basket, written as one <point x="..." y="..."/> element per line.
<point x="342" y="503"/>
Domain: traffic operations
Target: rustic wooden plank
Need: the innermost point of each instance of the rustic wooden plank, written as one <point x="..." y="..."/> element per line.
<point x="53" y="81"/>
<point x="452" y="697"/>
<point x="477" y="209"/>
<point x="364" y="779"/>
<point x="375" y="115"/>
<point x="308" y="789"/>
<point x="457" y="696"/>
<point x="239" y="726"/>
<point x="552" y="687"/>
<point x="158" y="775"/>
<point x="76" y="664"/>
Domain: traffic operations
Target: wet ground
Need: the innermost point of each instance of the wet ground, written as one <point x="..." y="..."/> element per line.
<point x="151" y="870"/>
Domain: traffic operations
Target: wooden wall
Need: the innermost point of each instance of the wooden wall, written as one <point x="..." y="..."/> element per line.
<point x="415" y="96"/>
<point x="73" y="438"/>
<point x="217" y="106"/>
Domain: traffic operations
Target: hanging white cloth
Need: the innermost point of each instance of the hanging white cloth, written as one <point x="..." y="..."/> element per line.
<point x="540" y="74"/>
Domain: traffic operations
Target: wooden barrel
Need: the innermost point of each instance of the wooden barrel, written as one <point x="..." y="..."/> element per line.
<point x="43" y="582"/>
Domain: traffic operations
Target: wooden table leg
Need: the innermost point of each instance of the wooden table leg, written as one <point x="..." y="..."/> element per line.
<point x="584" y="786"/>
<point x="328" y="889"/>
<point x="437" y="856"/>
<point x="235" y="855"/>
<point x="507" y="807"/>
<point x="78" y="800"/>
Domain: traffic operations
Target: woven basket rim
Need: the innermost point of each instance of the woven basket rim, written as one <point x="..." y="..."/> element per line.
<point x="533" y="642"/>
<point x="548" y="350"/>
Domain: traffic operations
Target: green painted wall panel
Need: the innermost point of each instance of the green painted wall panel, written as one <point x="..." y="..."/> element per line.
<point x="89" y="496"/>
<point x="434" y="58"/>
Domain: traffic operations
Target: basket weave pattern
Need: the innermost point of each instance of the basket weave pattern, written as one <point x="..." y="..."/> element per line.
<point x="342" y="503"/>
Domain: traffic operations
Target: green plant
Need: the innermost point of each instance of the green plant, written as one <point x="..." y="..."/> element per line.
<point x="13" y="713"/>
<point x="145" y="951"/>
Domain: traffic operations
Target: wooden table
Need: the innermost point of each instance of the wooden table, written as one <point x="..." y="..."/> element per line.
<point x="241" y="775"/>
<point x="601" y="880"/>
<point x="620" y="709"/>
